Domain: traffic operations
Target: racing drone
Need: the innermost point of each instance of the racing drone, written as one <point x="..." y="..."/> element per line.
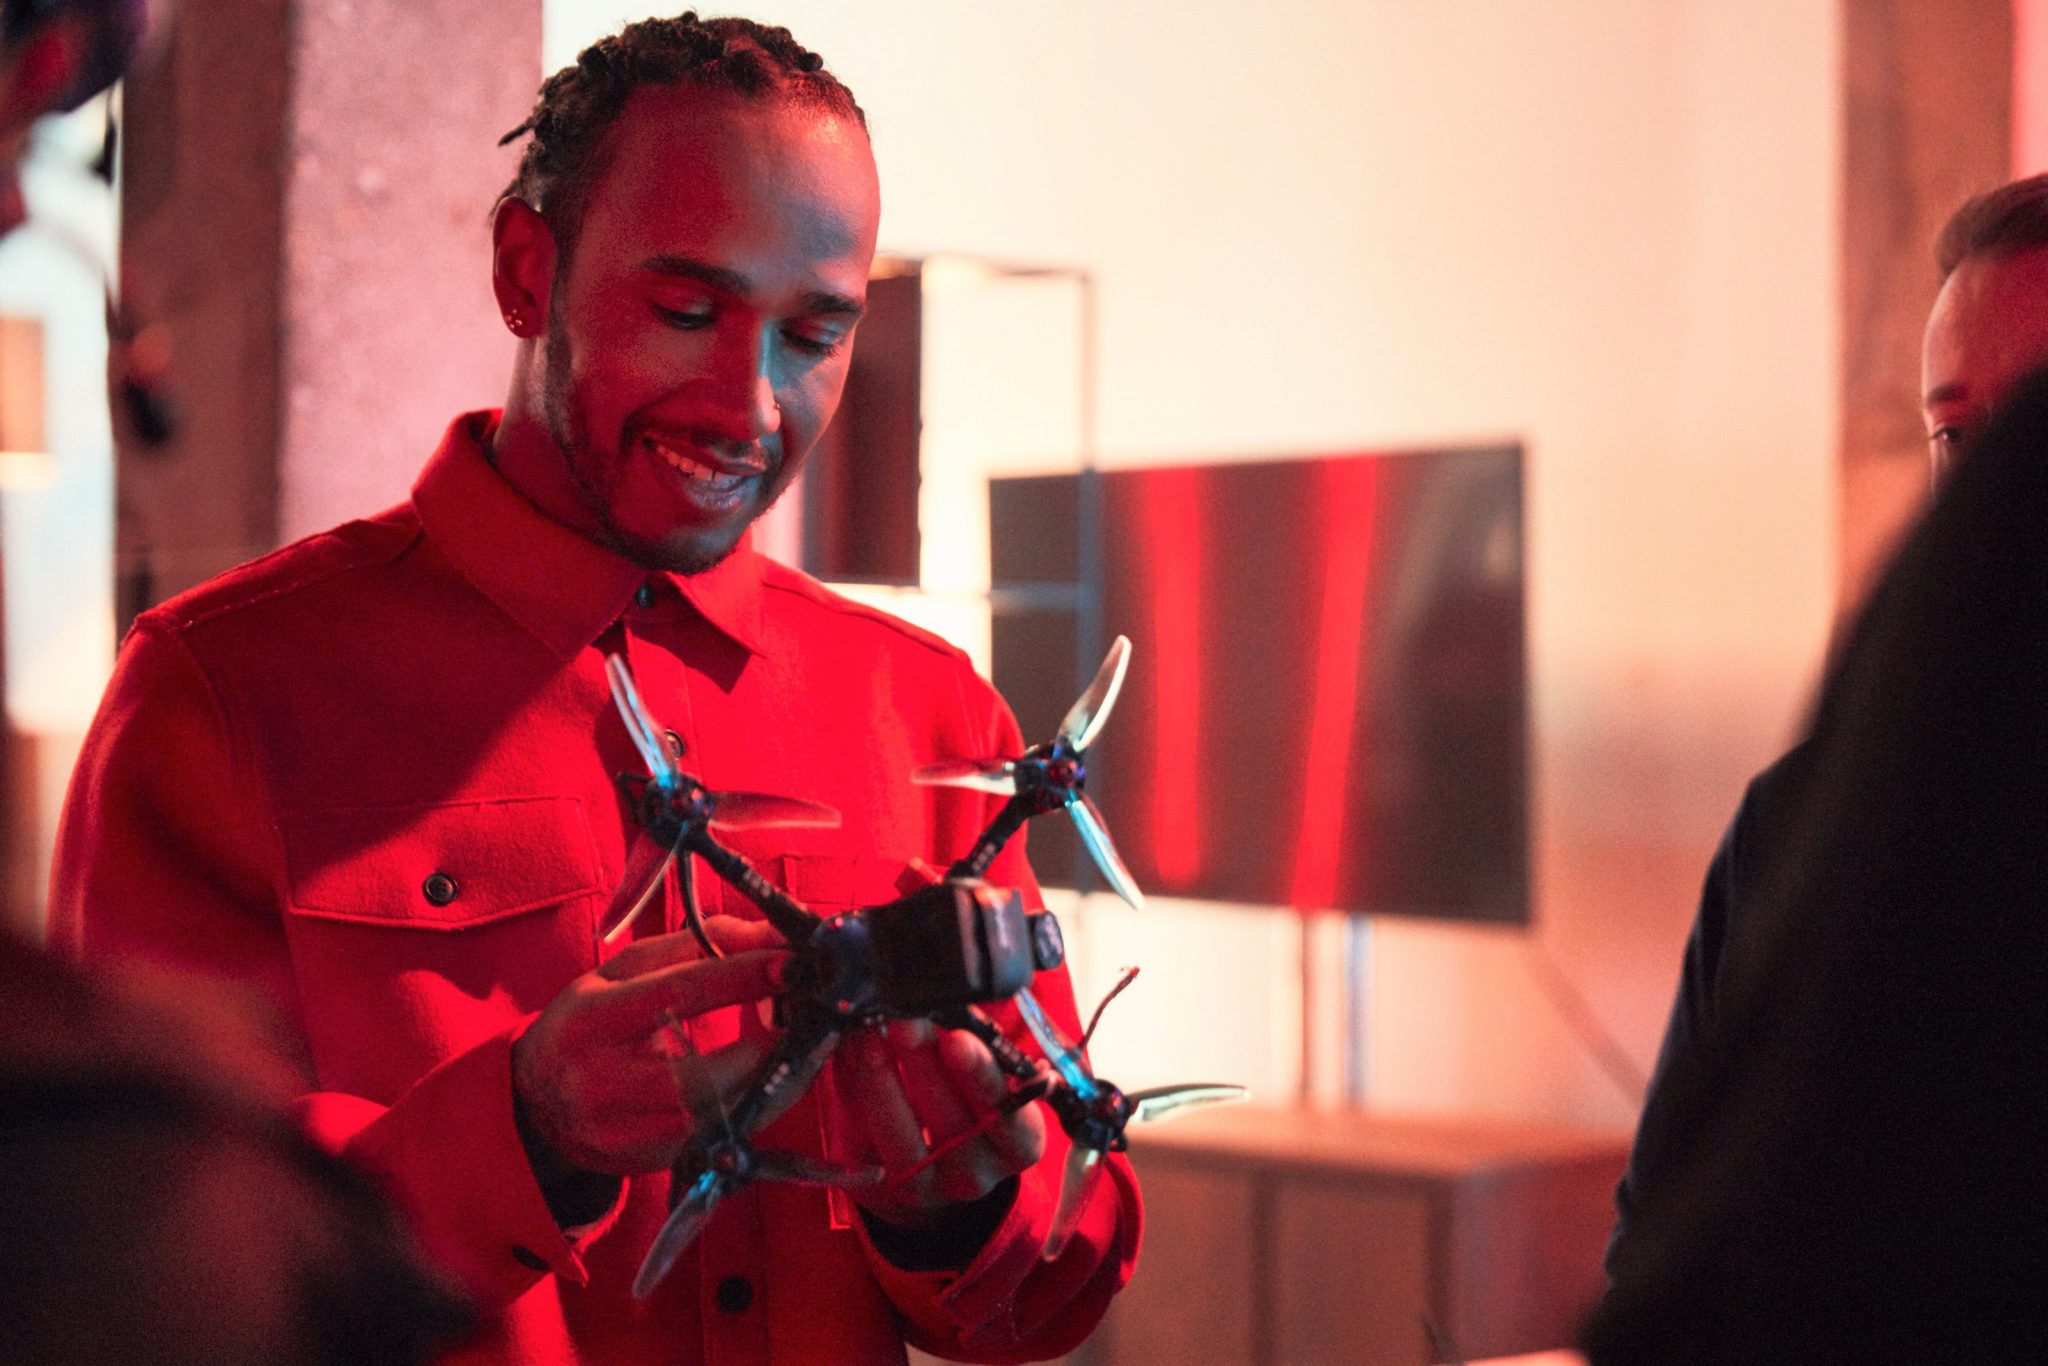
<point x="939" y="953"/>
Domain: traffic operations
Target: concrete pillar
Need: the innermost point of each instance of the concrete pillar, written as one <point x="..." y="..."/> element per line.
<point x="1926" y="98"/>
<point x="306" y="195"/>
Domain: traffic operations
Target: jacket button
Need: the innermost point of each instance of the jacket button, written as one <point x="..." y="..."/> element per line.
<point x="644" y="596"/>
<point x="529" y="1259"/>
<point x="439" y="889"/>
<point x="734" y="1294"/>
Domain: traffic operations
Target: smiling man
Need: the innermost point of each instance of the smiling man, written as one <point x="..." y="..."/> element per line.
<point x="373" y="774"/>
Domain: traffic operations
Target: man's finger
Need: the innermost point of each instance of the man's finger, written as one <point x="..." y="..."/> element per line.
<point x="734" y="935"/>
<point x="930" y="1086"/>
<point x="874" y="1092"/>
<point x="691" y="988"/>
<point x="975" y="1073"/>
<point x="730" y="933"/>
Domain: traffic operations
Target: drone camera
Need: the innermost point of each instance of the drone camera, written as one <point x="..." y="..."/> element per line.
<point x="958" y="942"/>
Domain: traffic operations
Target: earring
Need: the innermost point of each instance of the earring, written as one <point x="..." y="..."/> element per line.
<point x="516" y="321"/>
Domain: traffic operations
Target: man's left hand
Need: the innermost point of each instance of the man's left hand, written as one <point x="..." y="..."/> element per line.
<point x="912" y="1087"/>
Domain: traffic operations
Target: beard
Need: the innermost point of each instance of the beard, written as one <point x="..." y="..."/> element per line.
<point x="596" y="470"/>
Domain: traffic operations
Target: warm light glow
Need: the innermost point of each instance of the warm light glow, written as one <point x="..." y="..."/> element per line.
<point x="26" y="470"/>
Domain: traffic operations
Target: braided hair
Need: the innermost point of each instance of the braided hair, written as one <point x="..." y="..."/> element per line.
<point x="567" y="151"/>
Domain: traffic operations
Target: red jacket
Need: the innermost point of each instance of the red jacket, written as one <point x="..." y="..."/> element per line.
<point x="287" y="754"/>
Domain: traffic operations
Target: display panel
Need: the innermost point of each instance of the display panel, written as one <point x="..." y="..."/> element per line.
<point x="1327" y="704"/>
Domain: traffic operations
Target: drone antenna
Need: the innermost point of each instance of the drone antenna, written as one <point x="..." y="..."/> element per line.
<point x="1129" y="976"/>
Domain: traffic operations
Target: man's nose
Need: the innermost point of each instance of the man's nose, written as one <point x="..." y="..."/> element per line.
<point x="746" y="406"/>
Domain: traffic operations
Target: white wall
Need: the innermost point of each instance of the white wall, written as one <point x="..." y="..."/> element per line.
<point x="1605" y="227"/>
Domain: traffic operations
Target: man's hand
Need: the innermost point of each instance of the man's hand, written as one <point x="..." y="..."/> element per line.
<point x="595" y="1074"/>
<point x="915" y="1080"/>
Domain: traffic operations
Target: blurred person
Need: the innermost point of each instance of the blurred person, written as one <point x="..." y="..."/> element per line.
<point x="1722" y="1095"/>
<point x="1987" y="329"/>
<point x="373" y="773"/>
<point x="157" y="1205"/>
<point x="1867" y="1178"/>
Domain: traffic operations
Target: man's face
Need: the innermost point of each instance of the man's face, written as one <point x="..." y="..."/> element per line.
<point x="1988" y="330"/>
<point x="698" y="336"/>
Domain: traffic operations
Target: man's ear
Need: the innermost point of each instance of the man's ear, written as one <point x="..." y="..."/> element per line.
<point x="522" y="265"/>
<point x="40" y="71"/>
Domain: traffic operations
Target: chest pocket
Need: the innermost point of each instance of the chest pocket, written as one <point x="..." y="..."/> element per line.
<point x="416" y="932"/>
<point x="448" y="866"/>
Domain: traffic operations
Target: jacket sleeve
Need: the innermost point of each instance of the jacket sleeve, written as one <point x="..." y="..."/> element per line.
<point x="1008" y="1304"/>
<point x="168" y="854"/>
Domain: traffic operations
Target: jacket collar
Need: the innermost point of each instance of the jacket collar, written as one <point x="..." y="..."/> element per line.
<point x="563" y="587"/>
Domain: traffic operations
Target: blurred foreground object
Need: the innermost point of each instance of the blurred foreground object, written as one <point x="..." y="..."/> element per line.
<point x="1870" y="1184"/>
<point x="155" y="1205"/>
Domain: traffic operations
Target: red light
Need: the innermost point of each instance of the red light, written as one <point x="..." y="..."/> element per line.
<point x="1171" y="521"/>
<point x="1349" y="502"/>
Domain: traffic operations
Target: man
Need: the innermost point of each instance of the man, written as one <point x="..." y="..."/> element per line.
<point x="1988" y="329"/>
<point x="373" y="773"/>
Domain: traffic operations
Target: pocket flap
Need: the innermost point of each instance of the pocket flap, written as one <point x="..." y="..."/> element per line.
<point x="438" y="867"/>
<point x="839" y="882"/>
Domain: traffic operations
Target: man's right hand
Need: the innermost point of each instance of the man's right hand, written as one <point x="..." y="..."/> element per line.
<point x="595" y="1074"/>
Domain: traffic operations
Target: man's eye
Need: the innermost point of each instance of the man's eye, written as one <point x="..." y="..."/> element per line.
<point x="685" y="318"/>
<point x="815" y="341"/>
<point x="1944" y="444"/>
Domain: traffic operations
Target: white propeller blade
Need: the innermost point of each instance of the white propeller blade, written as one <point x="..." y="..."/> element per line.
<point x="1084" y="719"/>
<point x="683" y="1224"/>
<point x="1164" y="1102"/>
<point x="1095" y="835"/>
<point x="983" y="775"/>
<point x="640" y="726"/>
<point x="1084" y="1166"/>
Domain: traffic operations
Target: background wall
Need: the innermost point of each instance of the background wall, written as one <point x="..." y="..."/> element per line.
<point x="1603" y="227"/>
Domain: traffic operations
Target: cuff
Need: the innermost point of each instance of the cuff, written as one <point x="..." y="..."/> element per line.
<point x="954" y="1243"/>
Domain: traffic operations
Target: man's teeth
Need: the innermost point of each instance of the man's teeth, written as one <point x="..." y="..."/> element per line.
<point x="696" y="470"/>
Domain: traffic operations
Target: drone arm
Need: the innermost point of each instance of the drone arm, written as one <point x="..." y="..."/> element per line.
<point x="797" y="1058"/>
<point x="783" y="911"/>
<point x="1012" y="1059"/>
<point x="1007" y="823"/>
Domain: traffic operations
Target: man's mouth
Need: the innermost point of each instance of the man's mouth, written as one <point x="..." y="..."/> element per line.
<point x="708" y="473"/>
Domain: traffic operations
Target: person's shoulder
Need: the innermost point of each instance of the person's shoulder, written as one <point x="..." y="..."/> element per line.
<point x="1773" y="788"/>
<point x="276" y="580"/>
<point x="814" y="607"/>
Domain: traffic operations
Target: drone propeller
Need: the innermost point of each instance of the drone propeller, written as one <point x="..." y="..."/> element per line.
<point x="1095" y="835"/>
<point x="661" y="766"/>
<point x="726" y="1163"/>
<point x="691" y="808"/>
<point x="1049" y="777"/>
<point x="1083" y="721"/>
<point x="1094" y="1112"/>
<point x="998" y="776"/>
